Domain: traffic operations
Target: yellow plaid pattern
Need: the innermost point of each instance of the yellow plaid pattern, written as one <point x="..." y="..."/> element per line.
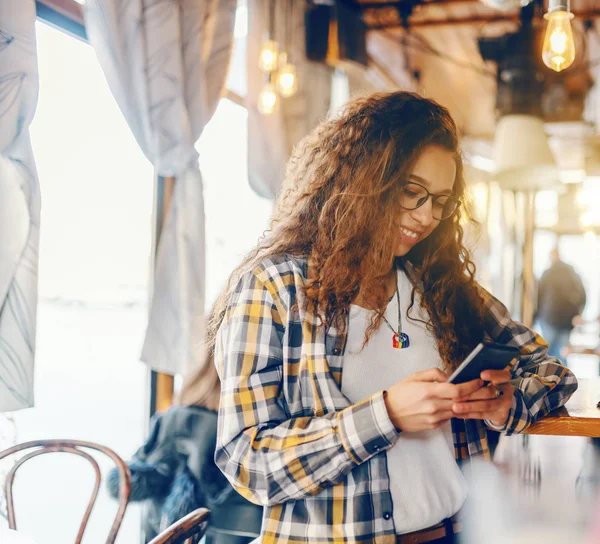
<point x="289" y="440"/>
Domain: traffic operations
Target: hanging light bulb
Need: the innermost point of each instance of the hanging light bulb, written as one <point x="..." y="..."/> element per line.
<point x="287" y="80"/>
<point x="558" y="51"/>
<point x="268" y="99"/>
<point x="269" y="56"/>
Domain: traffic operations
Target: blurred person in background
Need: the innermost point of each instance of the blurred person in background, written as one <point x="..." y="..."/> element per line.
<point x="561" y="299"/>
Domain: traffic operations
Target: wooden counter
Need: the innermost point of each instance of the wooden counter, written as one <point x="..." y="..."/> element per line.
<point x="579" y="417"/>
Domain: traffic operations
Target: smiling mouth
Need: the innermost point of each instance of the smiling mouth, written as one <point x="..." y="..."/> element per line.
<point x="410" y="234"/>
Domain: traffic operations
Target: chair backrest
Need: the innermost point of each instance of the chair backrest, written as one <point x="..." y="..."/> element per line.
<point x="192" y="525"/>
<point x="40" y="447"/>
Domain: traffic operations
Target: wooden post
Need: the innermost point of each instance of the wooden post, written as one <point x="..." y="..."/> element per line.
<point x="161" y="384"/>
<point x="528" y="302"/>
<point x="164" y="391"/>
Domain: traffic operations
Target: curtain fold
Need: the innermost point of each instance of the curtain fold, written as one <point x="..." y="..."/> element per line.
<point x="271" y="138"/>
<point x="166" y="64"/>
<point x="19" y="204"/>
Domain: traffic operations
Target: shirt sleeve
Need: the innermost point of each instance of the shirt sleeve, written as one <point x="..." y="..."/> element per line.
<point x="542" y="383"/>
<point x="267" y="455"/>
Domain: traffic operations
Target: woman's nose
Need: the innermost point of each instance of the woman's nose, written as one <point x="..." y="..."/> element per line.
<point x="424" y="213"/>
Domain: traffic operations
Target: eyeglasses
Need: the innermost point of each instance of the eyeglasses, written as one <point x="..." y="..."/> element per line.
<point x="413" y="196"/>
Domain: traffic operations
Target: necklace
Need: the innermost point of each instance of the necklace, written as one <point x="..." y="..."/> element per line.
<point x="400" y="340"/>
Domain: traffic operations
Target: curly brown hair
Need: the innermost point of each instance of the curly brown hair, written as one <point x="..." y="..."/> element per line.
<point x="338" y="208"/>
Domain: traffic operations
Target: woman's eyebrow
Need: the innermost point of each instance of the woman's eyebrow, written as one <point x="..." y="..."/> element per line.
<point x="423" y="181"/>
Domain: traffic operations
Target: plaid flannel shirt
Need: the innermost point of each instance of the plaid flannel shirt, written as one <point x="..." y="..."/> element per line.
<point x="290" y="440"/>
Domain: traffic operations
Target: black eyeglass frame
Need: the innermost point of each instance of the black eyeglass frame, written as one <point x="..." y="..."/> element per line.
<point x="433" y="200"/>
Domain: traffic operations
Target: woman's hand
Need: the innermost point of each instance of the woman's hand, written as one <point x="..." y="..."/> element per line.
<point x="491" y="403"/>
<point x="424" y="400"/>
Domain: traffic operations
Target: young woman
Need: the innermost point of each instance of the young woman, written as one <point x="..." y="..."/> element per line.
<point x="336" y="334"/>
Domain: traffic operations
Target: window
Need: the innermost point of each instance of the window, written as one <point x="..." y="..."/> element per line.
<point x="97" y="194"/>
<point x="235" y="215"/>
<point x="95" y="258"/>
<point x="237" y="78"/>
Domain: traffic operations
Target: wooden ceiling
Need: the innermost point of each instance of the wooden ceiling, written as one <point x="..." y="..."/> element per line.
<point x="440" y="44"/>
<point x="386" y="13"/>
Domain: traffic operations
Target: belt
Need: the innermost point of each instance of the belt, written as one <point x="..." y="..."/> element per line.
<point x="448" y="527"/>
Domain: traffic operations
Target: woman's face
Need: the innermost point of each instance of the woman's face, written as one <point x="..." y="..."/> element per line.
<point x="435" y="169"/>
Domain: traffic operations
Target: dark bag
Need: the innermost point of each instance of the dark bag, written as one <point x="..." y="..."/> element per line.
<point x="174" y="471"/>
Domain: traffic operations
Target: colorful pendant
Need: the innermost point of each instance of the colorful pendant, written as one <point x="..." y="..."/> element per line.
<point x="400" y="341"/>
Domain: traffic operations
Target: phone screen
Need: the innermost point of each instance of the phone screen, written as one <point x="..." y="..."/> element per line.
<point x="485" y="356"/>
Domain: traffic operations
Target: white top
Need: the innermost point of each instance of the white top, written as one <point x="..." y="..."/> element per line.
<point x="425" y="482"/>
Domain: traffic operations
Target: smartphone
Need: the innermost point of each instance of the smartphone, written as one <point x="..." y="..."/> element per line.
<point x="485" y="356"/>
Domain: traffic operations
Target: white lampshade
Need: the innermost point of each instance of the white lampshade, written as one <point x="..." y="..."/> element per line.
<point x="523" y="159"/>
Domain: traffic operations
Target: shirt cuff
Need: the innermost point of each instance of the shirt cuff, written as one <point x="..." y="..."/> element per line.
<point x="518" y="417"/>
<point x="366" y="428"/>
<point x="494" y="427"/>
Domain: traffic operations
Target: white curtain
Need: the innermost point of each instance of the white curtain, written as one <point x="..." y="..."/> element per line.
<point x="271" y="138"/>
<point x="19" y="204"/>
<point x="166" y="64"/>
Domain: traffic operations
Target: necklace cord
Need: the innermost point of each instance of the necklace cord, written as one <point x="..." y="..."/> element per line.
<point x="399" y="331"/>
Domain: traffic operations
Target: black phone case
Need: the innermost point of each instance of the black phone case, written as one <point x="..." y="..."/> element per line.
<point x="485" y="356"/>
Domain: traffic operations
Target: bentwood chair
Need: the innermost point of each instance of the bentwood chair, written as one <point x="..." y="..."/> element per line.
<point x="189" y="529"/>
<point x="41" y="447"/>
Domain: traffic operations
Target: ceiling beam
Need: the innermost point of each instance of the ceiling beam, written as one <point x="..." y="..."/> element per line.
<point x="475" y="20"/>
<point x="382" y="5"/>
<point x="384" y="73"/>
